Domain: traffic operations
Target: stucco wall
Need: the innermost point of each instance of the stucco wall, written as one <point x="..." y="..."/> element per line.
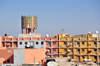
<point x="39" y="55"/>
<point x="19" y="56"/>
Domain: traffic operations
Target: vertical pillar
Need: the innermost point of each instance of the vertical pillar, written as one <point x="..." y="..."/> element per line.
<point x="33" y="31"/>
<point x="36" y="30"/>
<point x="22" y="31"/>
<point x="25" y="30"/>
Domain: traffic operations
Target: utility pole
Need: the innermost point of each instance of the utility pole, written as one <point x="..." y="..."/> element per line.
<point x="34" y="61"/>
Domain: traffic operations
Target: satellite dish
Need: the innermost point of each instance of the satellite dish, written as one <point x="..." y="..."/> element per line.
<point x="27" y="45"/>
<point x="47" y="35"/>
<point x="96" y="32"/>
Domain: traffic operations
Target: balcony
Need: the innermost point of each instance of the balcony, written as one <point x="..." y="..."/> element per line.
<point x="54" y="38"/>
<point x="15" y="39"/>
<point x="47" y="39"/>
<point x="34" y="38"/>
<point x="99" y="39"/>
<point x="8" y="39"/>
<point x="83" y="39"/>
<point x="20" y="38"/>
<point x="92" y="39"/>
<point x="27" y="38"/>
<point x="42" y="38"/>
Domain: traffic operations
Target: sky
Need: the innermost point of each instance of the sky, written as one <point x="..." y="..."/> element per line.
<point x="74" y="16"/>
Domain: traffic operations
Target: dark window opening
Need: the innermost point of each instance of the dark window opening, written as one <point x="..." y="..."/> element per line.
<point x="20" y="43"/>
<point x="15" y="43"/>
<point x="8" y="61"/>
<point x="95" y="50"/>
<point x="10" y="42"/>
<point x="83" y="50"/>
<point x="82" y="56"/>
<point x="42" y="43"/>
<point x="95" y="42"/>
<point x="95" y="57"/>
<point x="78" y="50"/>
<point x="78" y="43"/>
<point x="82" y="43"/>
<point x="65" y="42"/>
<point x="25" y="43"/>
<point x="36" y="43"/>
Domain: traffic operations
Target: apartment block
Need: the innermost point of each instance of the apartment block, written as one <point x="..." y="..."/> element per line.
<point x="80" y="47"/>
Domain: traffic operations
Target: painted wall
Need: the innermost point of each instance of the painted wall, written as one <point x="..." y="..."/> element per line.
<point x="7" y="54"/>
<point x="39" y="55"/>
<point x="19" y="56"/>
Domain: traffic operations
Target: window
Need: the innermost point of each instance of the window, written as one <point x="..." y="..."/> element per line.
<point x="9" y="51"/>
<point x="81" y="35"/>
<point x="42" y="43"/>
<point x="99" y="50"/>
<point x="10" y="42"/>
<point x="82" y="43"/>
<point x="99" y="43"/>
<point x="83" y="57"/>
<point x="95" y="42"/>
<point x="54" y="42"/>
<point x="70" y="42"/>
<point x="65" y="42"/>
<point x="25" y="43"/>
<point x="54" y="49"/>
<point x="65" y="49"/>
<point x="83" y="50"/>
<point x="71" y="57"/>
<point x="95" y="57"/>
<point x="78" y="43"/>
<point x="15" y="43"/>
<point x="70" y="49"/>
<point x="8" y="61"/>
<point x="95" y="50"/>
<point x="54" y="56"/>
<point x="48" y="43"/>
<point x="36" y="43"/>
<point x="20" y="43"/>
<point x="78" y="50"/>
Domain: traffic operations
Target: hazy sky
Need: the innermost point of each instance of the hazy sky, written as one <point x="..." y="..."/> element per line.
<point x="74" y="16"/>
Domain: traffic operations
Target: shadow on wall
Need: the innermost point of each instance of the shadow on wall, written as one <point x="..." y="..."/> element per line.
<point x="9" y="60"/>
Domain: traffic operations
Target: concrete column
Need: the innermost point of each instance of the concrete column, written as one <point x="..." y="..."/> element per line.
<point x="22" y="31"/>
<point x="36" y="30"/>
<point x="32" y="30"/>
<point x="25" y="30"/>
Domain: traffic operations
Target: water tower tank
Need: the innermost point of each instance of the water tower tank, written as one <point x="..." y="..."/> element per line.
<point x="29" y="23"/>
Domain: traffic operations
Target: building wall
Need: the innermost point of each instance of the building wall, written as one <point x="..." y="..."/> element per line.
<point x="39" y="55"/>
<point x="0" y="41"/>
<point x="31" y="43"/>
<point x="19" y="56"/>
<point x="7" y="54"/>
<point x="82" y="46"/>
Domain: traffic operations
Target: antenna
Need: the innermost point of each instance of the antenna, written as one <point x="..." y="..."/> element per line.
<point x="62" y="30"/>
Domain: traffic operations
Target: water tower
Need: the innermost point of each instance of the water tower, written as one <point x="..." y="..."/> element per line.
<point x="29" y="24"/>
